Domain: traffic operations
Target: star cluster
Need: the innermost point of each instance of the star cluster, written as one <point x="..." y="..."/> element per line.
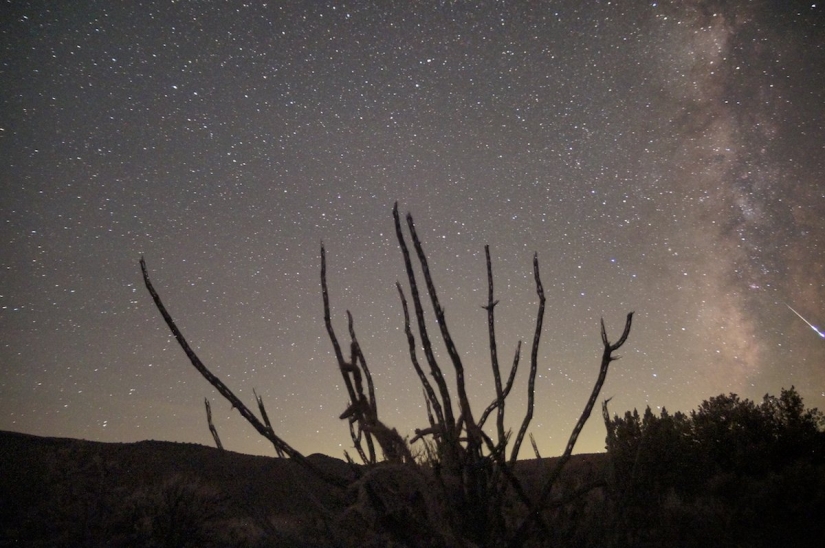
<point x="662" y="157"/>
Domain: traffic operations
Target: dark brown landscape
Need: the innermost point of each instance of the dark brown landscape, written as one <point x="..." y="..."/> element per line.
<point x="69" y="492"/>
<point x="65" y="492"/>
<point x="57" y="491"/>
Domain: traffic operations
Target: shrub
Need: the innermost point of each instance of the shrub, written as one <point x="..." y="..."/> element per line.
<point x="181" y="512"/>
<point x="731" y="470"/>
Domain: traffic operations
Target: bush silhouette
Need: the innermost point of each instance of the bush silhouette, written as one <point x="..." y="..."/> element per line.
<point x="731" y="470"/>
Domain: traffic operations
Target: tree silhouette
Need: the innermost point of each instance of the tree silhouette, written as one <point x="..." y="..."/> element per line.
<point x="733" y="472"/>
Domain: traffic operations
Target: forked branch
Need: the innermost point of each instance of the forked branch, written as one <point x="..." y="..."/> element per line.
<point x="349" y="372"/>
<point x="607" y="357"/>
<point x="362" y="411"/>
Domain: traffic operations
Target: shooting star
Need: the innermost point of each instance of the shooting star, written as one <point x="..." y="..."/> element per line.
<point x="812" y="326"/>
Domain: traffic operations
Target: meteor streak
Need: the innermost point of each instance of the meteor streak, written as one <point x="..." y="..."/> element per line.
<point x="812" y="326"/>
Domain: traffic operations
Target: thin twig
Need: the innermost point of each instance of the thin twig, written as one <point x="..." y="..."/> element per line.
<point x="212" y="428"/>
<point x="535" y="447"/>
<point x="262" y="410"/>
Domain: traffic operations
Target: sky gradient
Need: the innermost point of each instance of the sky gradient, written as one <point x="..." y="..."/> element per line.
<point x="663" y="158"/>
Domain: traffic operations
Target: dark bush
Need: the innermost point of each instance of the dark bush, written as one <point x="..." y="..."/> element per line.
<point x="731" y="472"/>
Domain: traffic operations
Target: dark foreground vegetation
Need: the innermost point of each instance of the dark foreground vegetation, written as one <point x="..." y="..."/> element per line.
<point x="455" y="483"/>
<point x="731" y="473"/>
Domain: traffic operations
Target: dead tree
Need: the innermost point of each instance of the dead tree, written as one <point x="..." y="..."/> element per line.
<point x="474" y="471"/>
<point x="472" y="475"/>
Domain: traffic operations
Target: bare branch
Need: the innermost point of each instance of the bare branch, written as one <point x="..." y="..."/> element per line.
<point x="464" y="402"/>
<point x="531" y="382"/>
<point x="535" y="447"/>
<point x="507" y="387"/>
<point x="491" y="329"/>
<point x="429" y="393"/>
<point x="392" y="444"/>
<point x="268" y="424"/>
<point x="497" y="454"/>
<point x="607" y="357"/>
<point x="211" y="425"/>
<point x="345" y="367"/>
<point x="358" y="357"/>
<point x="328" y="322"/>
<point x="226" y="392"/>
<point x="610" y="439"/>
<point x="472" y="473"/>
<point x="356" y="440"/>
<point x="513" y="369"/>
<point x="449" y="418"/>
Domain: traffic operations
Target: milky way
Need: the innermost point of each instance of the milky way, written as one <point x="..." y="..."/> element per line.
<point x="665" y="158"/>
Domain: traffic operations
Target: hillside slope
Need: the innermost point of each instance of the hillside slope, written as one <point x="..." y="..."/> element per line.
<point x="59" y="491"/>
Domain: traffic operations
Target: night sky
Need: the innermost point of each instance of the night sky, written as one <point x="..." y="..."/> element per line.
<point x="665" y="158"/>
